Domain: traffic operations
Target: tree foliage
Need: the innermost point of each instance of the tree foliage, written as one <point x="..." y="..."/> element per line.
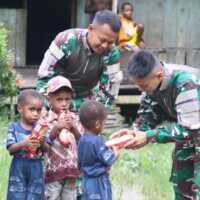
<point x="8" y="77"/>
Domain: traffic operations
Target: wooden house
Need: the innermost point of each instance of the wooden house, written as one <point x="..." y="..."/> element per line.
<point x="172" y="27"/>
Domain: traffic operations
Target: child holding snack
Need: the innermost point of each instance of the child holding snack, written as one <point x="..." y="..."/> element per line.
<point x="95" y="158"/>
<point x="131" y="33"/>
<point x="61" y="165"/>
<point x="26" y="172"/>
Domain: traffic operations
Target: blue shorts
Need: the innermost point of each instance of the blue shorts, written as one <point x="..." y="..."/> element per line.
<point x="26" y="180"/>
<point x="98" y="188"/>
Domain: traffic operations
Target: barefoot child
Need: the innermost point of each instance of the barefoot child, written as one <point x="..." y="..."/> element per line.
<point x="61" y="168"/>
<point x="95" y="158"/>
<point x="26" y="173"/>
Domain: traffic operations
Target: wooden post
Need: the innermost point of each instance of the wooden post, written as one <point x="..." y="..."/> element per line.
<point x="12" y="109"/>
<point x="114" y="6"/>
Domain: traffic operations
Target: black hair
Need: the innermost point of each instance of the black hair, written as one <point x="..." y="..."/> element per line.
<point x="141" y="64"/>
<point x="25" y="95"/>
<point x="126" y="4"/>
<point x="90" y="112"/>
<point x="108" y="17"/>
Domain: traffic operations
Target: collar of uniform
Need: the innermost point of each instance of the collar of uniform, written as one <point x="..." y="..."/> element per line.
<point x="167" y="77"/>
<point x="85" y="43"/>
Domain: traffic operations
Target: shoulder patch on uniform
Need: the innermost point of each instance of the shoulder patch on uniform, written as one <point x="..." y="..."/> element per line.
<point x="188" y="109"/>
<point x="186" y="96"/>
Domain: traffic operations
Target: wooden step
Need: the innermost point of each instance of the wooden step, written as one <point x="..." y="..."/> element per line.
<point x="128" y="99"/>
<point x="28" y="76"/>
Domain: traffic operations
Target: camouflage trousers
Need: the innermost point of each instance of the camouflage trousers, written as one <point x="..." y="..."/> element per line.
<point x="185" y="187"/>
<point x="183" y="190"/>
<point x="186" y="169"/>
<point x="182" y="174"/>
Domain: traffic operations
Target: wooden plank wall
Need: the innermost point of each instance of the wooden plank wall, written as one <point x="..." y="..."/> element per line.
<point x="172" y="28"/>
<point x="82" y="19"/>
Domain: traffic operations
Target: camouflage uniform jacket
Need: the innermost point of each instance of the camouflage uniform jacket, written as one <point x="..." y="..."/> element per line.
<point x="176" y="102"/>
<point x="92" y="75"/>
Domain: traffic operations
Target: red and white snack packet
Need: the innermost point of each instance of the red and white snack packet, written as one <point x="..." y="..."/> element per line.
<point x="37" y="133"/>
<point x="65" y="137"/>
<point x="119" y="142"/>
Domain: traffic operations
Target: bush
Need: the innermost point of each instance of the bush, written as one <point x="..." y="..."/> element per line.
<point x="8" y="77"/>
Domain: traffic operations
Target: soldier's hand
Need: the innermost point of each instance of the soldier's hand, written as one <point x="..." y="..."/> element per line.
<point x="139" y="140"/>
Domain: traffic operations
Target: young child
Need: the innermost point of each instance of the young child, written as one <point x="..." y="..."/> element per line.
<point x="95" y="158"/>
<point x="61" y="168"/>
<point x="130" y="35"/>
<point x="26" y="179"/>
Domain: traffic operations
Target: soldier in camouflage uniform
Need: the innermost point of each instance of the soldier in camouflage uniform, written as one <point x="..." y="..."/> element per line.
<point x="88" y="58"/>
<point x="173" y="97"/>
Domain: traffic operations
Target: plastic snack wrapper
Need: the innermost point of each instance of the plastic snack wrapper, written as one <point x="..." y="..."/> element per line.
<point x="119" y="142"/>
<point x="37" y="133"/>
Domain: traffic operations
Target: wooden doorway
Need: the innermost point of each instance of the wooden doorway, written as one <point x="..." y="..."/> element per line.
<point x="45" y="19"/>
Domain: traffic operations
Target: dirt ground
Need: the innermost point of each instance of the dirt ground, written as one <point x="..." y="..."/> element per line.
<point x="127" y="193"/>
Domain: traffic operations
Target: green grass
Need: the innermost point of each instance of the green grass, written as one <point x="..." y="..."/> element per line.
<point x="146" y="170"/>
<point x="4" y="158"/>
<point x="4" y="170"/>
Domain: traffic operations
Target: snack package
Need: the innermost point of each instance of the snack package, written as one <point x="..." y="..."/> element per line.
<point x="65" y="137"/>
<point x="119" y="142"/>
<point x="37" y="133"/>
